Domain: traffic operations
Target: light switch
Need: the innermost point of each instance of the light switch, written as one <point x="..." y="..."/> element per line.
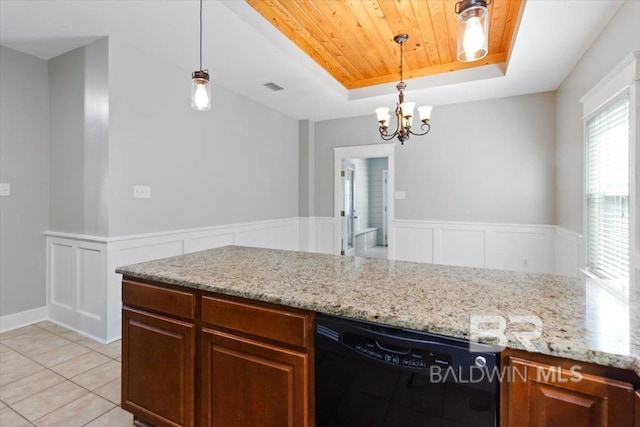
<point x="400" y="195"/>
<point x="141" y="192"/>
<point x="5" y="189"/>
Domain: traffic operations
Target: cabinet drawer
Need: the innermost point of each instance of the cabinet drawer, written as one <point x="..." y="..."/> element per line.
<point x="156" y="298"/>
<point x="287" y="327"/>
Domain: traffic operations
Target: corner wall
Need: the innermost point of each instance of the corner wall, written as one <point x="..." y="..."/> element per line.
<point x="79" y="120"/>
<point x="24" y="163"/>
<point x="234" y="164"/>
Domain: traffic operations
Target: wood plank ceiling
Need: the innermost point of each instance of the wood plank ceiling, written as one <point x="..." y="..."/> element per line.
<point x="353" y="39"/>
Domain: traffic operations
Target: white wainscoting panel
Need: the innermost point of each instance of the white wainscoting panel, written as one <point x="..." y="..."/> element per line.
<point x="324" y="235"/>
<point x="503" y="246"/>
<point x="306" y="234"/>
<point x="461" y="247"/>
<point x="412" y="241"/>
<point x="62" y="267"/>
<point x="76" y="283"/>
<point x="210" y="241"/>
<point x="521" y="248"/>
<point x="569" y="252"/>
<point x="89" y="285"/>
<point x="84" y="290"/>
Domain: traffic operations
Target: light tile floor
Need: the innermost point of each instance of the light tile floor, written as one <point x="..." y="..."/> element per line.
<point x="53" y="377"/>
<point x="375" y="252"/>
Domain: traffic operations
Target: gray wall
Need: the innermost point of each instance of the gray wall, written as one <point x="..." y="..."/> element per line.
<point x="24" y="154"/>
<point x="620" y="37"/>
<point x="306" y="171"/>
<point x="235" y="163"/>
<point x="79" y="119"/>
<point x="485" y="161"/>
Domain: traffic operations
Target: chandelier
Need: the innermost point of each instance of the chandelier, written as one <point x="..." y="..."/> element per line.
<point x="200" y="89"/>
<point x="404" y="110"/>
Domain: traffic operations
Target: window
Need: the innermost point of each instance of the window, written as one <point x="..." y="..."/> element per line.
<point x="612" y="154"/>
<point x="607" y="135"/>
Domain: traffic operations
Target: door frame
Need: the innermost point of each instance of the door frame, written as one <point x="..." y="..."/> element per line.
<point x="356" y="152"/>
<point x="349" y="217"/>
<point x="385" y="219"/>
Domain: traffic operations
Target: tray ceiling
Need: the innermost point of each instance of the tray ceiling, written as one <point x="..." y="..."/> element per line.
<point x="353" y="39"/>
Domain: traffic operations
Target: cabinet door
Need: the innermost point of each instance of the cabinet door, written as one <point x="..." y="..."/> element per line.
<point x="637" y="411"/>
<point x="246" y="383"/>
<point x="158" y="362"/>
<point x="540" y="395"/>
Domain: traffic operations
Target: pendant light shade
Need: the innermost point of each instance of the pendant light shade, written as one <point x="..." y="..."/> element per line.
<point x="473" y="30"/>
<point x="200" y="88"/>
<point x="200" y="91"/>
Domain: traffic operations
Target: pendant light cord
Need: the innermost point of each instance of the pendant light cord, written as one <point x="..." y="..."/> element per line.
<point x="200" y="35"/>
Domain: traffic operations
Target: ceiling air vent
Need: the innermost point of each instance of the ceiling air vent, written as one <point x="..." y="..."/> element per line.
<point x="273" y="86"/>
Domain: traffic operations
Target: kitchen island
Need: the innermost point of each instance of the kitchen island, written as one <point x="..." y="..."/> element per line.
<point x="573" y="319"/>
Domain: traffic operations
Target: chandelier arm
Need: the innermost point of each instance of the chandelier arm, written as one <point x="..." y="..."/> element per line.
<point x="386" y="136"/>
<point x="421" y="127"/>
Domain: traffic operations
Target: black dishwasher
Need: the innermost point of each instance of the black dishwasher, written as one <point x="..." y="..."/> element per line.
<point x="370" y="375"/>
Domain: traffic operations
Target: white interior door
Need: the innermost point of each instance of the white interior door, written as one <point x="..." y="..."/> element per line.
<point x="385" y="181"/>
<point x="348" y="210"/>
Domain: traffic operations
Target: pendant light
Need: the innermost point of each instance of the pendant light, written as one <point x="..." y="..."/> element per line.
<point x="473" y="30"/>
<point x="404" y="110"/>
<point x="200" y="89"/>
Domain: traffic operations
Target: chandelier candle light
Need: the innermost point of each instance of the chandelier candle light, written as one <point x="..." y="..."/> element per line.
<point x="404" y="110"/>
<point x="200" y="89"/>
<point x="473" y="34"/>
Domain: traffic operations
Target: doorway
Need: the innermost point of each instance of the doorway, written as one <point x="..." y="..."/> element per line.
<point x="363" y="223"/>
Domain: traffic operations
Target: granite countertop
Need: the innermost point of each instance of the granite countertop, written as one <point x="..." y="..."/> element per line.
<point x="573" y="318"/>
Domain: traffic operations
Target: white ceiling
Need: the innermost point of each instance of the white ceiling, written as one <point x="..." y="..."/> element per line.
<point x="243" y="51"/>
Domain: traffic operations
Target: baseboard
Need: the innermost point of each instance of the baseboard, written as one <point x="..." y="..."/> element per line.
<point x="23" y="318"/>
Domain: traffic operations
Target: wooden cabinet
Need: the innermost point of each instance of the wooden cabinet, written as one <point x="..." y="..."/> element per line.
<point x="636" y="402"/>
<point x="158" y="354"/>
<point x="193" y="358"/>
<point x="541" y="395"/>
<point x="256" y="367"/>
<point x="158" y="367"/>
<point x="249" y="383"/>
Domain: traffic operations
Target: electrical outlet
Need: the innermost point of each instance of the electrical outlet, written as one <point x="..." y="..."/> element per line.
<point x="141" y="192"/>
<point x="399" y="195"/>
<point x="5" y="189"/>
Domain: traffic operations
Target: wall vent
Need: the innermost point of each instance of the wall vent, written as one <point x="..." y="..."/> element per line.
<point x="273" y="86"/>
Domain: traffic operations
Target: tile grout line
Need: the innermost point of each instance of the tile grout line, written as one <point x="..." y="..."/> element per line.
<point x="65" y="379"/>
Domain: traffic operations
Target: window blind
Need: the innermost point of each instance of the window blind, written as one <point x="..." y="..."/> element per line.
<point x="608" y="191"/>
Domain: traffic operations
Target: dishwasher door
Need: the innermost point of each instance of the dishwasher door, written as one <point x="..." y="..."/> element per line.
<point x="369" y="375"/>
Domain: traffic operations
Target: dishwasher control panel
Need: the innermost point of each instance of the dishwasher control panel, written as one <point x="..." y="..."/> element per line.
<point x="407" y="357"/>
